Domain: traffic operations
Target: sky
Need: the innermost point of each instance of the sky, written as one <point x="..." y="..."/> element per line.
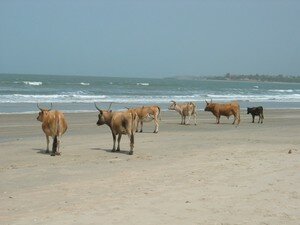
<point x="153" y="38"/>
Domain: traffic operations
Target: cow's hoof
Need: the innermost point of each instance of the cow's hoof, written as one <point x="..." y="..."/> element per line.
<point x="57" y="153"/>
<point x="113" y="150"/>
<point x="155" y="132"/>
<point x="47" y="151"/>
<point x="131" y="153"/>
<point x="52" y="154"/>
<point x="117" y="150"/>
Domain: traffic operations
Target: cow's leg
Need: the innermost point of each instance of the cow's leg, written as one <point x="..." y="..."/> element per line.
<point x="262" y="117"/>
<point x="114" y="142"/>
<point x="253" y="118"/>
<point x="195" y="118"/>
<point x="48" y="141"/>
<point x="258" y="118"/>
<point x="131" y="137"/>
<point x="156" y="125"/>
<point x="142" y="123"/>
<point x="137" y="126"/>
<point x="119" y="140"/>
<point x="234" y="118"/>
<point x="189" y="118"/>
<point x="218" y="119"/>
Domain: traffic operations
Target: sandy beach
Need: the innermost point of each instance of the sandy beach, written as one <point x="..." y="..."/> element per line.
<point x="204" y="174"/>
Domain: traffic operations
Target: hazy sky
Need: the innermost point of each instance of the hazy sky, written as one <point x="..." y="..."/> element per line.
<point x="150" y="38"/>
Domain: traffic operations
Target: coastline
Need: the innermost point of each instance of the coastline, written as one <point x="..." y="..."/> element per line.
<point x="30" y="108"/>
<point x="205" y="174"/>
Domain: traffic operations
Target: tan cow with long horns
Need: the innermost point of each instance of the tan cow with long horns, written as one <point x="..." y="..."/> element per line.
<point x="54" y="125"/>
<point x="185" y="110"/>
<point x="146" y="114"/>
<point x="119" y="123"/>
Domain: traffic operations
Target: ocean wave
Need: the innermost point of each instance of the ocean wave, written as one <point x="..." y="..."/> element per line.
<point x="88" y="98"/>
<point x="33" y="83"/>
<point x="143" y="84"/>
<point x="85" y="84"/>
<point x="60" y="98"/>
<point x="281" y="91"/>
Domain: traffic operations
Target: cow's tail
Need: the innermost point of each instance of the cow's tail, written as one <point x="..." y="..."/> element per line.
<point x="54" y="145"/>
<point x="134" y="122"/>
<point x="134" y="117"/>
<point x="194" y="108"/>
<point x="239" y="115"/>
<point x="159" y="114"/>
<point x="55" y="142"/>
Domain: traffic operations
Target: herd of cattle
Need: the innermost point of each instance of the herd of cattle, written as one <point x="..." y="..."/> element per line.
<point x="127" y="122"/>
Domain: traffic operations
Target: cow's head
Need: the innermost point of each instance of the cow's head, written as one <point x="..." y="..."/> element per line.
<point x="209" y="106"/>
<point x="248" y="110"/>
<point x="43" y="113"/>
<point x="172" y="106"/>
<point x="101" y="118"/>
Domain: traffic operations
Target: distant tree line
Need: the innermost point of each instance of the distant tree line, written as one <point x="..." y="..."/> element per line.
<point x="257" y="77"/>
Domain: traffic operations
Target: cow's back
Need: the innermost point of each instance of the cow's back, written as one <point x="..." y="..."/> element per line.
<point x="122" y="122"/>
<point x="54" y="124"/>
<point x="228" y="109"/>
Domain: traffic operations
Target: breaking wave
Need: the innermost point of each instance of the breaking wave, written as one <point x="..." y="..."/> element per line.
<point x="33" y="83"/>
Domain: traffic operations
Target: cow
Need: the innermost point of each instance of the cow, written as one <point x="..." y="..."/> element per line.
<point x="146" y="114"/>
<point x="228" y="109"/>
<point x="256" y="111"/>
<point x="119" y="123"/>
<point x="185" y="110"/>
<point x="54" y="125"/>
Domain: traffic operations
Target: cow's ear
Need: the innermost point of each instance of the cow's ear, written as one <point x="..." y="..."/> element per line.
<point x="110" y="110"/>
<point x="206" y="102"/>
<point x="101" y="112"/>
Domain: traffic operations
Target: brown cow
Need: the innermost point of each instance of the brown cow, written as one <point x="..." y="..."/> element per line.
<point x="147" y="114"/>
<point x="54" y="125"/>
<point x="119" y="123"/>
<point x="228" y="109"/>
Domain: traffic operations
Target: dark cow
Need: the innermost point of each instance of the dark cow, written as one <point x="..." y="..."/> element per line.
<point x="256" y="111"/>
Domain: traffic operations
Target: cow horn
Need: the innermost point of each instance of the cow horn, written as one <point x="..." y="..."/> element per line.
<point x="206" y="101"/>
<point x="50" y="107"/>
<point x="173" y="101"/>
<point x="97" y="107"/>
<point x="37" y="104"/>
<point x="109" y="106"/>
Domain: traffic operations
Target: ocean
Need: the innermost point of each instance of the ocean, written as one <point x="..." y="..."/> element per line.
<point x="21" y="93"/>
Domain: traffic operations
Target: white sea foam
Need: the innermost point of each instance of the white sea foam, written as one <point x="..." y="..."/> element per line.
<point x="83" y="97"/>
<point x="143" y="84"/>
<point x="282" y="91"/>
<point x="33" y="83"/>
<point x="85" y="84"/>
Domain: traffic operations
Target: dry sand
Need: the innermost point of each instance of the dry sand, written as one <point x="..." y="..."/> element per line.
<point x="204" y="174"/>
